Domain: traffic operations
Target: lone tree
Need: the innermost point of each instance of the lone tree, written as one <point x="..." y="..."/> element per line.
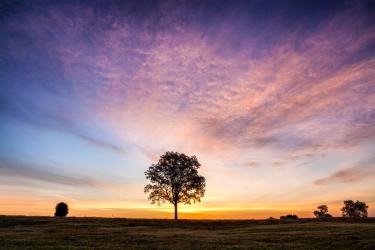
<point x="322" y="212"/>
<point x="61" y="209"/>
<point x="354" y="209"/>
<point x="175" y="179"/>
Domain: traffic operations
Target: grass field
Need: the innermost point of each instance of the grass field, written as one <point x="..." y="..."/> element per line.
<point x="20" y="232"/>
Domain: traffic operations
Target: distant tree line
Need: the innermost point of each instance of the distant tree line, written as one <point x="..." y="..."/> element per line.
<point x="351" y="209"/>
<point x="289" y="216"/>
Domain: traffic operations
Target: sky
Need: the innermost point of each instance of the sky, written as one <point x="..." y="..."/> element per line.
<point x="275" y="98"/>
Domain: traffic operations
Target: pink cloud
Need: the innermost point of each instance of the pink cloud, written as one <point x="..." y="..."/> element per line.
<point x="289" y="95"/>
<point x="352" y="174"/>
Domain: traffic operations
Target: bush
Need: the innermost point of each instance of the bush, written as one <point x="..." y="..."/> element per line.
<point x="61" y="209"/>
<point x="289" y="216"/>
<point x="322" y="212"/>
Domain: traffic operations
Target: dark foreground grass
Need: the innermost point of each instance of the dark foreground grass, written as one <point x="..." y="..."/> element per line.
<point x="18" y="232"/>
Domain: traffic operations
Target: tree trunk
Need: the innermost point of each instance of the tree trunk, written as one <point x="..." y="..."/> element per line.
<point x="175" y="211"/>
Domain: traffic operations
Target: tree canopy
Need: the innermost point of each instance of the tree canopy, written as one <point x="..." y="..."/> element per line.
<point x="322" y="212"/>
<point x="354" y="209"/>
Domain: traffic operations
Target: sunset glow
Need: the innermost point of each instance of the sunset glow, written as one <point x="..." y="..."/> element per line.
<point x="276" y="101"/>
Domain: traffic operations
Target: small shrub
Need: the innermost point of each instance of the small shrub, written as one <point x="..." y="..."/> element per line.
<point x="61" y="209"/>
<point x="289" y="216"/>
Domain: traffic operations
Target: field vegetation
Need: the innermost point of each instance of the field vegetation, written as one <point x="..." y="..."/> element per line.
<point x="21" y="232"/>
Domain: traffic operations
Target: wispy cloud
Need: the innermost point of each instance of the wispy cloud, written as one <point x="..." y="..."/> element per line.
<point x="60" y="117"/>
<point x="100" y="143"/>
<point x="278" y="163"/>
<point x="363" y="170"/>
<point x="252" y="164"/>
<point x="10" y="168"/>
<point x="285" y="97"/>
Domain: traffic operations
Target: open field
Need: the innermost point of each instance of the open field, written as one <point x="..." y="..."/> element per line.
<point x="20" y="232"/>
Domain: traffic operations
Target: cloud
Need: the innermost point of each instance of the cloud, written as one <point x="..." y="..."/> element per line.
<point x="9" y="169"/>
<point x="152" y="156"/>
<point x="252" y="164"/>
<point x="58" y="117"/>
<point x="100" y="143"/>
<point x="284" y="100"/>
<point x="278" y="163"/>
<point x="196" y="87"/>
<point x="364" y="170"/>
<point x="284" y="96"/>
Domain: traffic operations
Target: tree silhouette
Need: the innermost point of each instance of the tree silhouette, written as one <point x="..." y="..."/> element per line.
<point x="289" y="216"/>
<point x="322" y="212"/>
<point x="354" y="209"/>
<point x="61" y="209"/>
<point x="175" y="179"/>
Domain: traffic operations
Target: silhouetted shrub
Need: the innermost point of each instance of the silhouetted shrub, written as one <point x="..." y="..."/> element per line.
<point x="61" y="209"/>
<point x="271" y="218"/>
<point x="354" y="209"/>
<point x="289" y="216"/>
<point x="322" y="212"/>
